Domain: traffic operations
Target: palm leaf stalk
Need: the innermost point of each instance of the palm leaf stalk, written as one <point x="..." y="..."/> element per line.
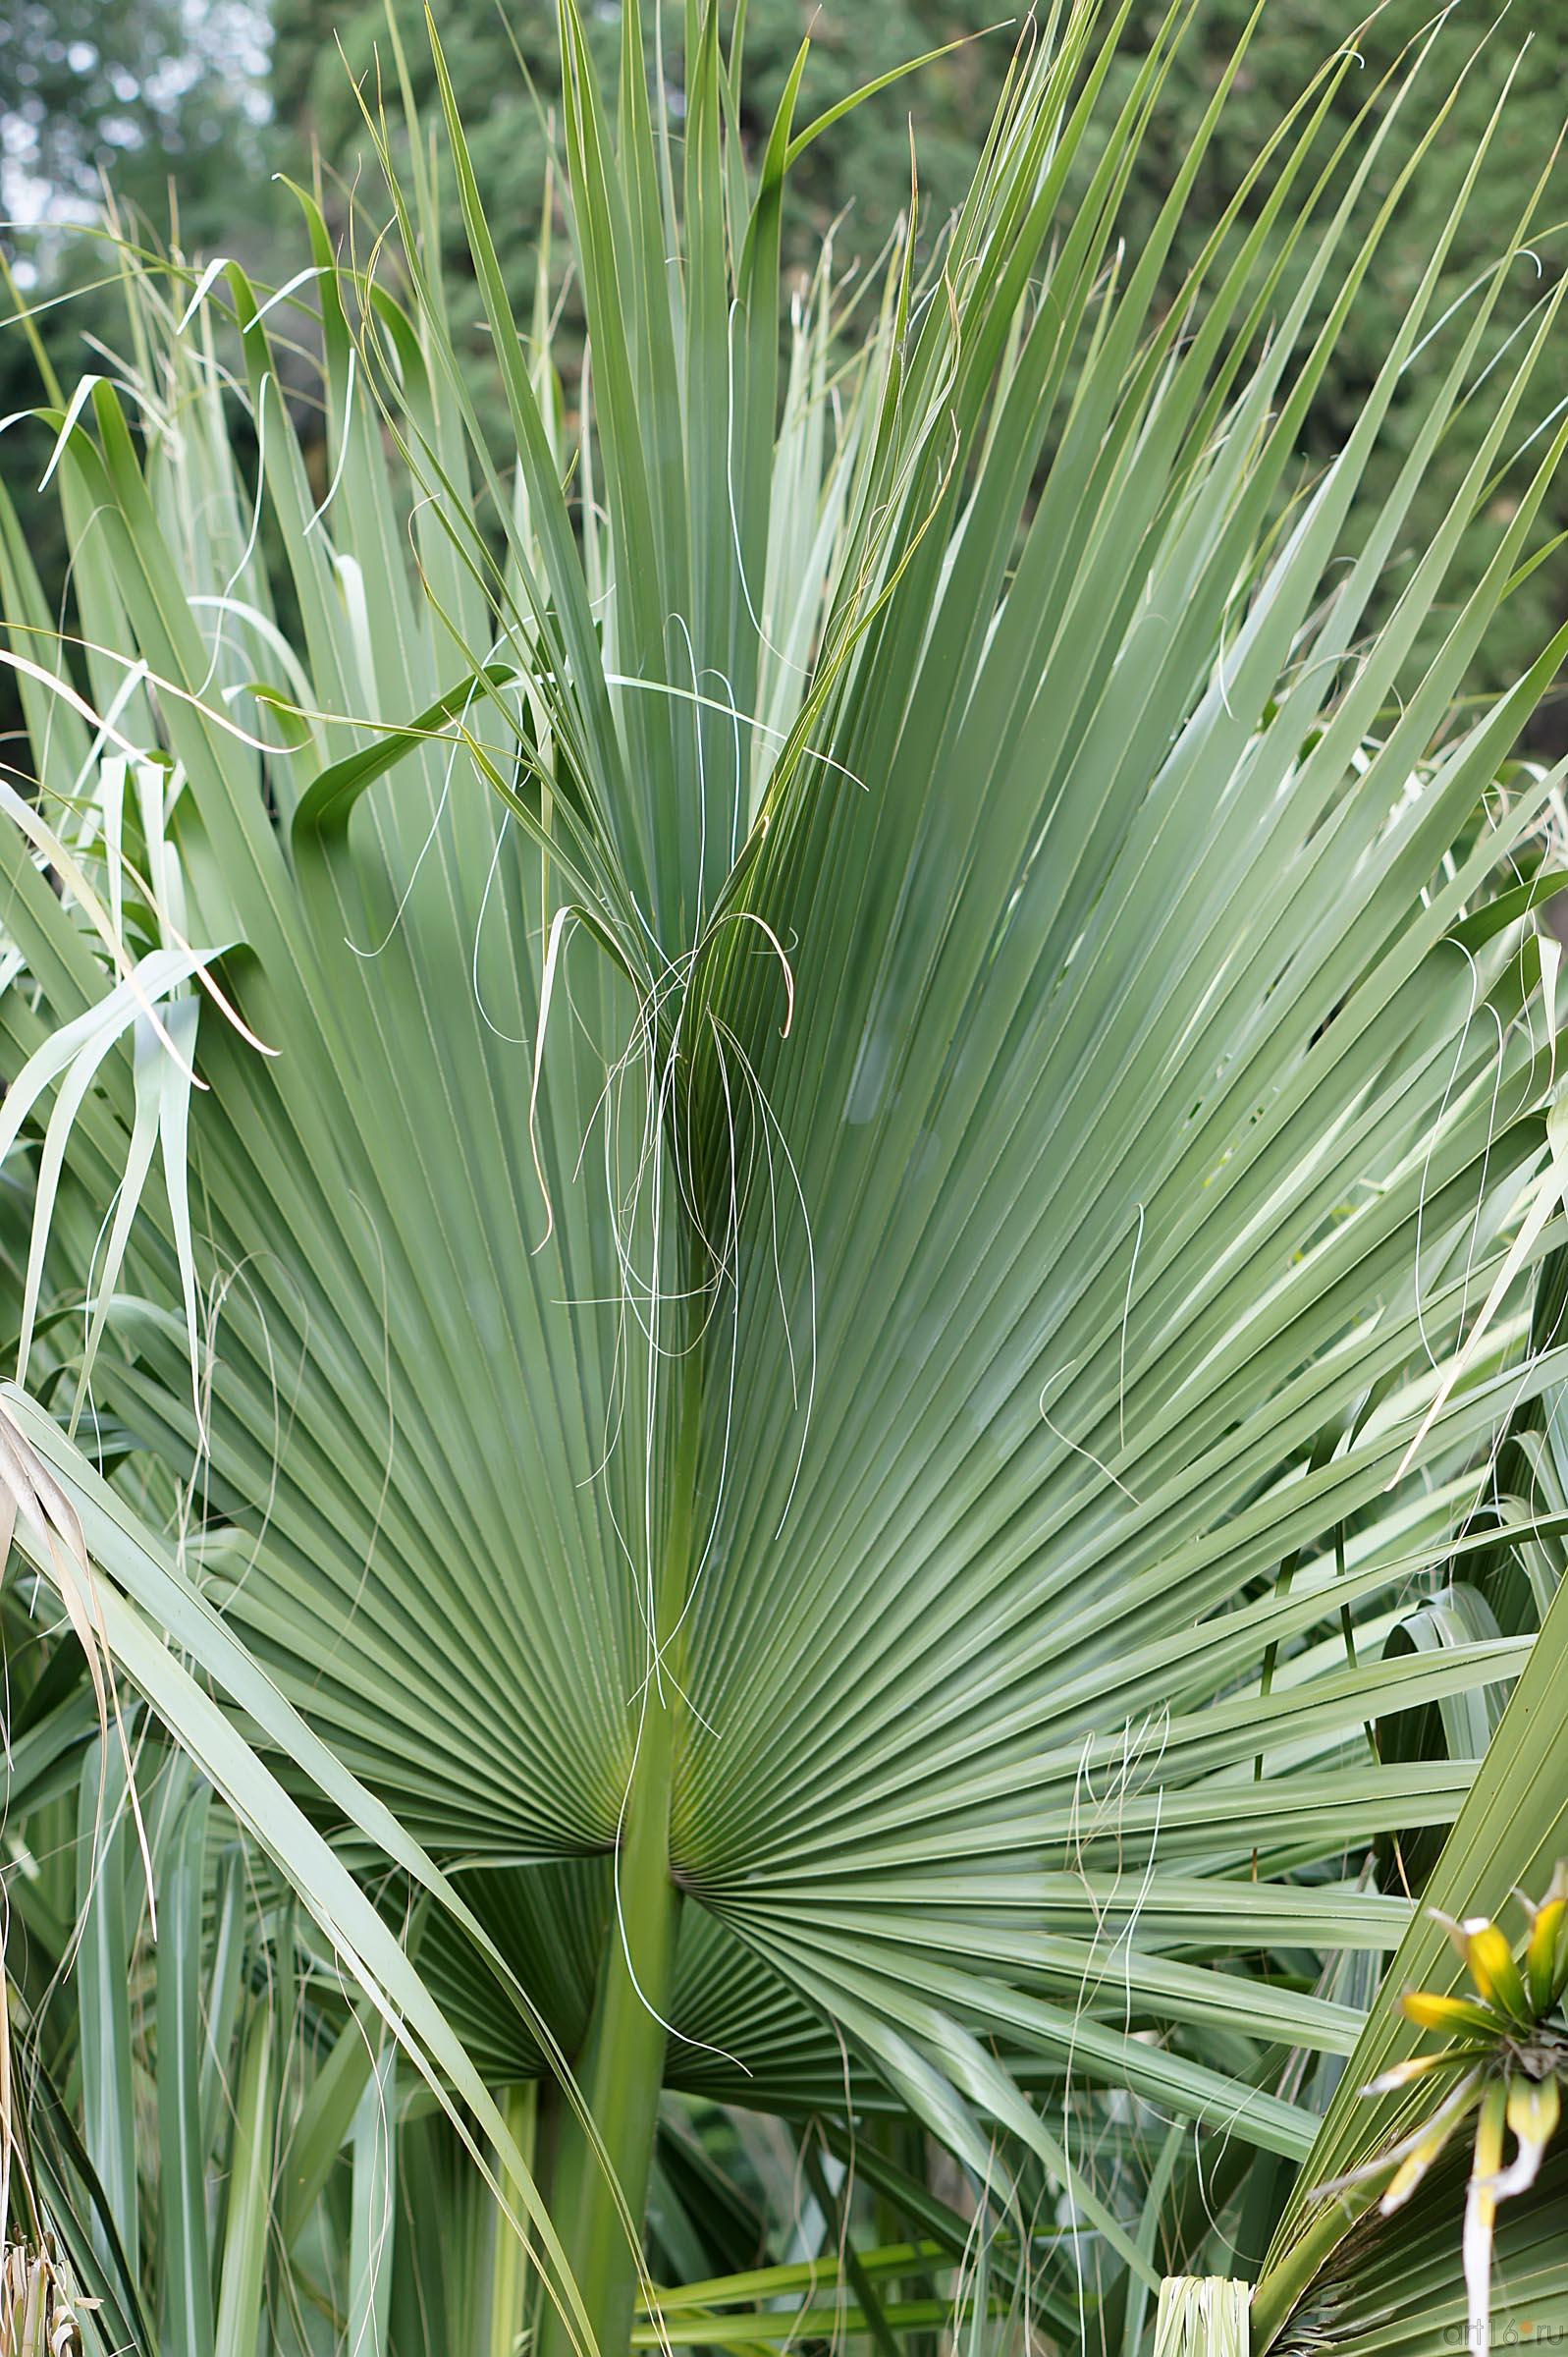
<point x="778" y="1173"/>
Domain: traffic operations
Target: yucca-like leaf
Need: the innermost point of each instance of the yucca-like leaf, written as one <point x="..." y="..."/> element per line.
<point x="1509" y="1835"/>
<point x="909" y="1123"/>
<point x="1401" y="2282"/>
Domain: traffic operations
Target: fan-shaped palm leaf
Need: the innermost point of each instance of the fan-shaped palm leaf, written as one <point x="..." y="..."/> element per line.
<point x="851" y="1137"/>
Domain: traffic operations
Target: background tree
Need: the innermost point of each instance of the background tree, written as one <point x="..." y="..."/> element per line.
<point x="165" y="98"/>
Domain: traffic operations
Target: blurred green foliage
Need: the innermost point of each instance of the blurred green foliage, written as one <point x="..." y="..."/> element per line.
<point x="158" y="95"/>
<point x="163" y="98"/>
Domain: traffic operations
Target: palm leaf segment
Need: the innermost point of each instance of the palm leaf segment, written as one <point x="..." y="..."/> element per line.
<point x="885" y="1222"/>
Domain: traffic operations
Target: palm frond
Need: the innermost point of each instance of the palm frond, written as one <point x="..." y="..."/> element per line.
<point x="855" y="1103"/>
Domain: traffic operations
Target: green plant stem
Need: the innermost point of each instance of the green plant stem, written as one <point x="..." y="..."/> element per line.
<point x="621" y="2068"/>
<point x="509" y="2257"/>
<point x="1287" y="2282"/>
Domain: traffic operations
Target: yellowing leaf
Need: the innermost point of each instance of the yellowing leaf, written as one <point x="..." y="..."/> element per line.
<point x="1430" y="2011"/>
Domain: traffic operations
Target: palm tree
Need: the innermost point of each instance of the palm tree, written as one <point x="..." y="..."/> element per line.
<point x="778" y="1176"/>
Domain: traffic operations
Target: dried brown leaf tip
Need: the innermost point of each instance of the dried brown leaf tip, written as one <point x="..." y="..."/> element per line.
<point x="37" y="2316"/>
